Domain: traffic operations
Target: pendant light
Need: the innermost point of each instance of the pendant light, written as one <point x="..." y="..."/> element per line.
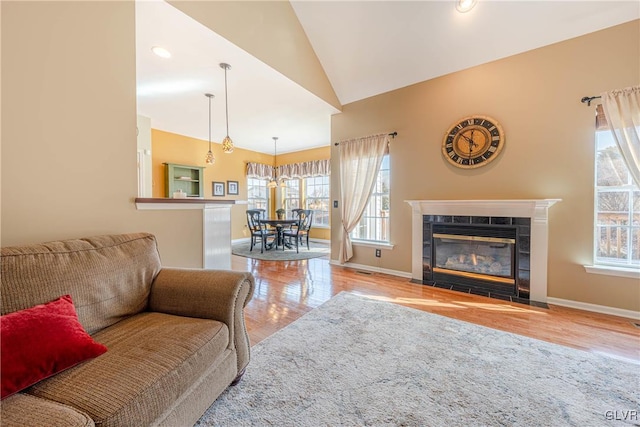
<point x="209" y="159"/>
<point x="227" y="143"/>
<point x="273" y="182"/>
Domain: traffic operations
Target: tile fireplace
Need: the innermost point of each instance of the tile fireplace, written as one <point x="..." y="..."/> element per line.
<point x="496" y="248"/>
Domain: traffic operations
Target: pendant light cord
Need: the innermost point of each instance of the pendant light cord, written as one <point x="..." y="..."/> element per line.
<point x="209" y="123"/>
<point x="226" y="100"/>
<point x="275" y="157"/>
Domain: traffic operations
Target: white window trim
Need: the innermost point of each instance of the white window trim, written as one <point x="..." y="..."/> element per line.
<point x="607" y="270"/>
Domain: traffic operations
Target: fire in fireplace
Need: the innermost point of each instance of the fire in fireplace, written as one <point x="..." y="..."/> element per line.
<point x="485" y="258"/>
<point x="483" y="255"/>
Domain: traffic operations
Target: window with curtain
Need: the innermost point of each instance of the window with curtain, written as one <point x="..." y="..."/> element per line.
<point x="617" y="207"/>
<point x="374" y="224"/>
<point x="316" y="198"/>
<point x="291" y="195"/>
<point x="257" y="194"/>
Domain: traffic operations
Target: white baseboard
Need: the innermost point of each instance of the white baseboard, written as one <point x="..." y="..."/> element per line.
<point x="244" y="239"/>
<point x="325" y="241"/>
<point x="594" y="307"/>
<point x="371" y="268"/>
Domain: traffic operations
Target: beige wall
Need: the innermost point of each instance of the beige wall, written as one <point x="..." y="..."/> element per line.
<point x="270" y="31"/>
<point x="549" y="150"/>
<point x="69" y="135"/>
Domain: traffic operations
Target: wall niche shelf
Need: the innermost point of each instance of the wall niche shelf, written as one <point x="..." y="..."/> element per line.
<point x="189" y="179"/>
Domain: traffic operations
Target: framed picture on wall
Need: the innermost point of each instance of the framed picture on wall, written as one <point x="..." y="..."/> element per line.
<point x="218" y="188"/>
<point x="232" y="188"/>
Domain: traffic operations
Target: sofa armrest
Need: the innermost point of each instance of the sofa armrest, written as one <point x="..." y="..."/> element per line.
<point x="210" y="294"/>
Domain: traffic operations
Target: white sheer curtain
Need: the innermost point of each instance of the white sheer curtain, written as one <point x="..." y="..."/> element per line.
<point x="622" y="110"/>
<point x="360" y="161"/>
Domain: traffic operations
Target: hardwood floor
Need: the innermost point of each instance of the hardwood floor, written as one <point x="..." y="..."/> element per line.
<point x="286" y="290"/>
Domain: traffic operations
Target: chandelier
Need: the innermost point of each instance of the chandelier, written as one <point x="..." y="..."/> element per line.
<point x="273" y="182"/>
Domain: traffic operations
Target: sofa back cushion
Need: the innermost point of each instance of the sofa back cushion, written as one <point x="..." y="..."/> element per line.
<point x="108" y="277"/>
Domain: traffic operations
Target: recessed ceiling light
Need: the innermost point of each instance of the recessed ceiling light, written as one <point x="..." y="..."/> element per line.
<point x="465" y="5"/>
<point x="161" y="52"/>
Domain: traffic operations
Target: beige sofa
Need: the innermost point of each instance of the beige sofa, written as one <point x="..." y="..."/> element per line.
<point x="176" y="338"/>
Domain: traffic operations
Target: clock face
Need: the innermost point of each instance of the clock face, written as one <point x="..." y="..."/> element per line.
<point x="473" y="142"/>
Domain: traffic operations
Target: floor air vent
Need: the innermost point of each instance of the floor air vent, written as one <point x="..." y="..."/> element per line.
<point x="367" y="273"/>
<point x="636" y="324"/>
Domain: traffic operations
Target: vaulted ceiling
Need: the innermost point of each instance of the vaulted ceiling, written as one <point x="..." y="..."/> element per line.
<point x="365" y="48"/>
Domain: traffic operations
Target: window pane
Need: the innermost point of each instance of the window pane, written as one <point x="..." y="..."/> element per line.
<point x="611" y="169"/>
<point x="257" y="194"/>
<point x="613" y="207"/>
<point x="291" y="196"/>
<point x="612" y="243"/>
<point x="617" y="207"/>
<point x="317" y="199"/>
<point x="374" y="224"/>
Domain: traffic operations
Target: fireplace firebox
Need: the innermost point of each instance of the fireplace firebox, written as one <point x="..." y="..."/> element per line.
<point x="481" y="255"/>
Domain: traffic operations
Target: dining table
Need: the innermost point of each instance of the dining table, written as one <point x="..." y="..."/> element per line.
<point x="279" y="224"/>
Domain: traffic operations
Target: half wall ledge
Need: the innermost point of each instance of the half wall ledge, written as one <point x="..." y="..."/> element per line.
<point x="216" y="225"/>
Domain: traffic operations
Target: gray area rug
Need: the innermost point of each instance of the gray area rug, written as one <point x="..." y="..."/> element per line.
<point x="315" y="250"/>
<point x="359" y="362"/>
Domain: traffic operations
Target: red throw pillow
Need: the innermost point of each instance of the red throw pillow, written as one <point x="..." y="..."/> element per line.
<point x="41" y="341"/>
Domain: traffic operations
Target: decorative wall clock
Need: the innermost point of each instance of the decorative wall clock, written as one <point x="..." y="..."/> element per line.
<point x="473" y="142"/>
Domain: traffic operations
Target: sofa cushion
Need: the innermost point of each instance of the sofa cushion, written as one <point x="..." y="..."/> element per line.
<point x="153" y="359"/>
<point x="40" y="341"/>
<point x="22" y="410"/>
<point x="109" y="277"/>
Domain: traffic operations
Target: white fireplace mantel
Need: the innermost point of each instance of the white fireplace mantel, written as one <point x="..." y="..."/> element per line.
<point x="536" y="209"/>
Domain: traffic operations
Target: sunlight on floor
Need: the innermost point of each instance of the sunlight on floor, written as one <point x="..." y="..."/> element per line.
<point x="503" y="306"/>
<point x="500" y="307"/>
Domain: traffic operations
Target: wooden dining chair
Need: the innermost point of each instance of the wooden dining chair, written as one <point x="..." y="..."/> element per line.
<point x="301" y="231"/>
<point x="259" y="230"/>
<point x="295" y="214"/>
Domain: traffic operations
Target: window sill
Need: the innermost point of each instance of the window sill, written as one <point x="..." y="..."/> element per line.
<point x="608" y="270"/>
<point x="378" y="245"/>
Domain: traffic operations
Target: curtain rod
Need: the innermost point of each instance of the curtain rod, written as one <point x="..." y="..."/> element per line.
<point x="392" y="135"/>
<point x="587" y="99"/>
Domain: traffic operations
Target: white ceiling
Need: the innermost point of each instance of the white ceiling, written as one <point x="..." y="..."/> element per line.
<point x="262" y="102"/>
<point x="365" y="48"/>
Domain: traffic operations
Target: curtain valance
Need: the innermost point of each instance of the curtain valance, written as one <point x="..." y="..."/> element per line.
<point x="259" y="171"/>
<point x="305" y="169"/>
<point x="290" y="171"/>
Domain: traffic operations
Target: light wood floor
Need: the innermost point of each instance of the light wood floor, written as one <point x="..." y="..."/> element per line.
<point x="287" y="290"/>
